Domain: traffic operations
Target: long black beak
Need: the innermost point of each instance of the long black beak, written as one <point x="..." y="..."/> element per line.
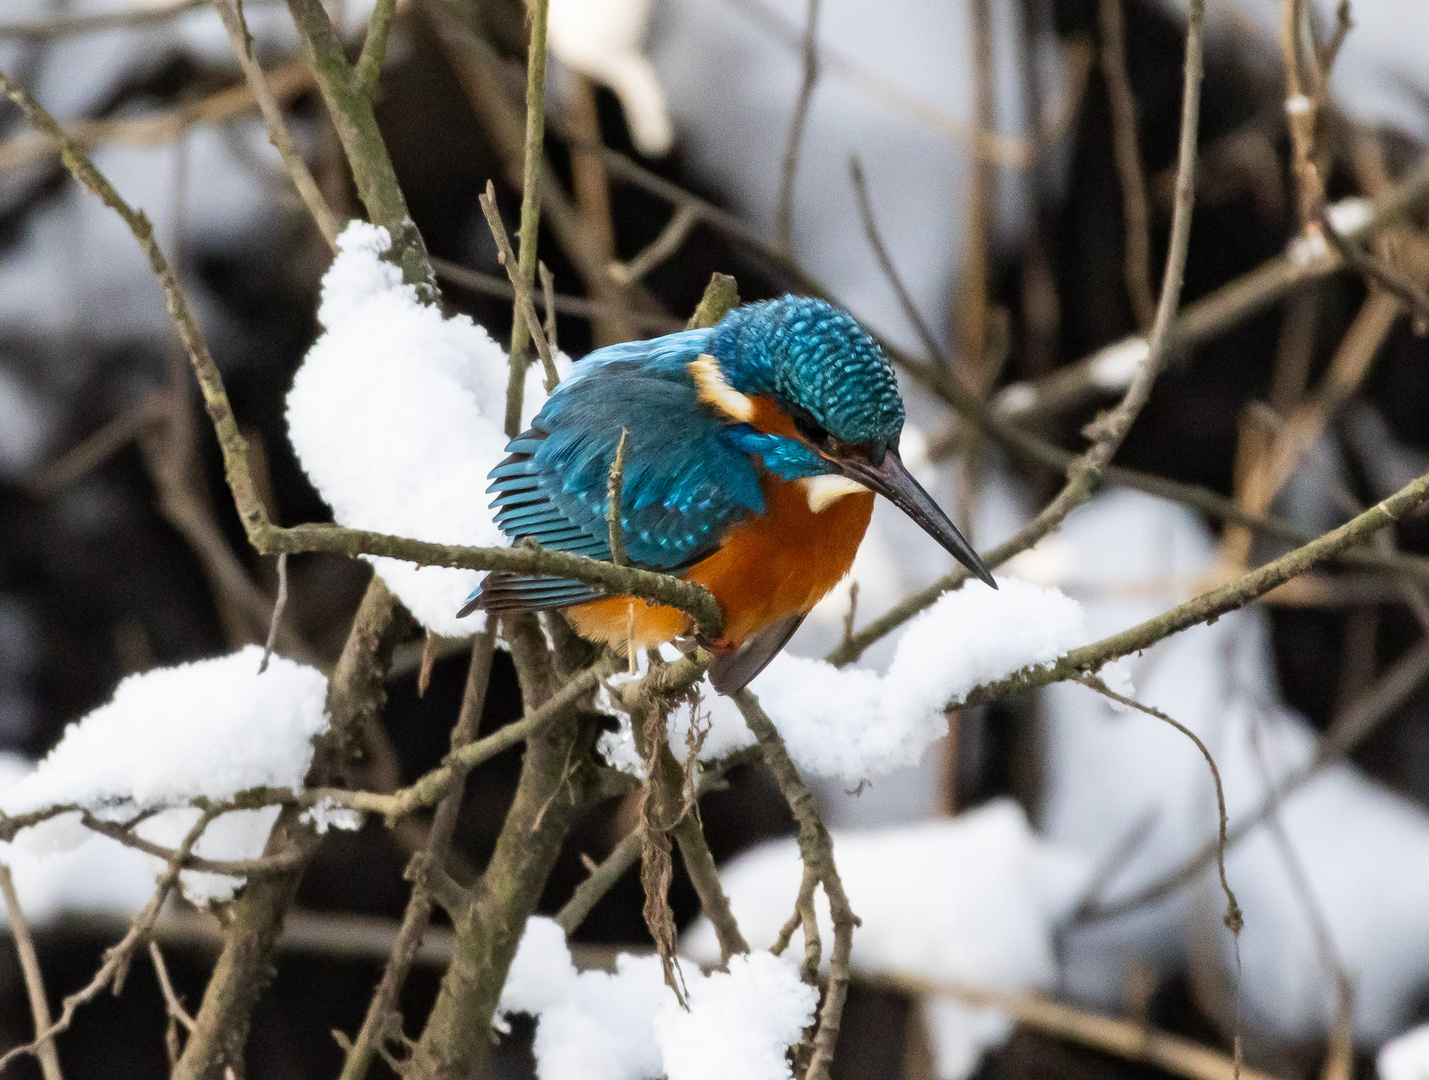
<point x="893" y="481"/>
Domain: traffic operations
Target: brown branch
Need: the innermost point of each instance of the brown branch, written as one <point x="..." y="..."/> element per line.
<point x="1378" y="271"/>
<point x="657" y="251"/>
<point x="521" y="288"/>
<point x="1126" y="1039"/>
<point x="75" y="25"/>
<point x="704" y="876"/>
<point x="99" y="447"/>
<point x="286" y="82"/>
<point x="34" y="981"/>
<point x="1234" y="918"/>
<point x="117" y="958"/>
<point x="177" y="1014"/>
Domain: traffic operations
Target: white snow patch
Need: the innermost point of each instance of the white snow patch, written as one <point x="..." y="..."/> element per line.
<point x="208" y="728"/>
<point x="396" y="415"/>
<point x="972" y="899"/>
<point x="854" y="724"/>
<point x="1405" y="1057"/>
<point x="627" y="1025"/>
<point x="739" y="1023"/>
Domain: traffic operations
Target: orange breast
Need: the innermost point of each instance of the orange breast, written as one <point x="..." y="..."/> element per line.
<point x="778" y="564"/>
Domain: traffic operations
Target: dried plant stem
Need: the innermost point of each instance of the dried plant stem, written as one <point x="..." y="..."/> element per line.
<point x="524" y="324"/>
<point x="45" y="1051"/>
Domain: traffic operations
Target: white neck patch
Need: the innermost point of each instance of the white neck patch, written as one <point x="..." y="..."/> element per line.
<point x="823" y="491"/>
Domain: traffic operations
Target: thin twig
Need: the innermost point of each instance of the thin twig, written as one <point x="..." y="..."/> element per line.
<point x="1379" y="271"/>
<point x="1135" y="206"/>
<point x="522" y="289"/>
<point x="704" y="876"/>
<point x="427" y="865"/>
<point x="885" y="261"/>
<point x="784" y="223"/>
<point x="548" y="299"/>
<point x="658" y="250"/>
<point x="524" y="325"/>
<point x="117" y="959"/>
<point x="278" y="134"/>
<point x="1351" y="727"/>
<point x="1213" y="603"/>
<point x="589" y="892"/>
<point x="1234" y="919"/>
<point x="76" y="25"/>
<point x="563" y="304"/>
<point x="614" y="487"/>
<point x="816" y="849"/>
<point x="34" y="981"/>
<point x="98" y="448"/>
<point x="279" y="606"/>
<point x="177" y="1014"/>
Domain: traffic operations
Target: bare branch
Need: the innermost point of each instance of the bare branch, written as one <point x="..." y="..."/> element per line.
<point x="34" y="981"/>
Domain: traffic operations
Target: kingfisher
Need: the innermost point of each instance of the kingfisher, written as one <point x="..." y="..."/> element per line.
<point x="755" y="450"/>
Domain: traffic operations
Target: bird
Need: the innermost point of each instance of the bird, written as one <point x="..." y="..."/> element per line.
<point x="755" y="450"/>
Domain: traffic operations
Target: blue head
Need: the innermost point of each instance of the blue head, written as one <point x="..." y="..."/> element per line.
<point x="818" y="365"/>
<point x="825" y="373"/>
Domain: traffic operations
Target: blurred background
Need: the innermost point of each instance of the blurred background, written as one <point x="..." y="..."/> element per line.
<point x="986" y="138"/>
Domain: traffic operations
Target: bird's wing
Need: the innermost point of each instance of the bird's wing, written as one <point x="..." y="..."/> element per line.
<point x="683" y="484"/>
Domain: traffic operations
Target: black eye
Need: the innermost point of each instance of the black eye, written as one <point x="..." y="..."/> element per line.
<point x="811" y="431"/>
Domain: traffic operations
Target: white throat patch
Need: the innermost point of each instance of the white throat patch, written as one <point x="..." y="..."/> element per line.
<point x="823" y="491"/>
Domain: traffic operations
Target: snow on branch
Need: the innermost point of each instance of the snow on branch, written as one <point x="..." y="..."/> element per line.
<point x="201" y="732"/>
<point x="627" y="1024"/>
<point x="396" y="416"/>
<point x="970" y="901"/>
<point x="854" y="724"/>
